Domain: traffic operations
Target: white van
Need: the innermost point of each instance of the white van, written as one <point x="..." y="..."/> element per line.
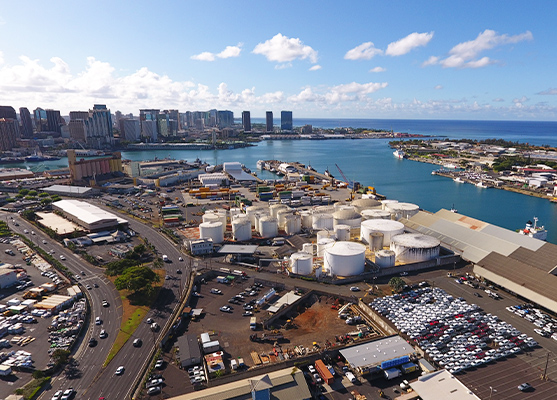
<point x="351" y="377"/>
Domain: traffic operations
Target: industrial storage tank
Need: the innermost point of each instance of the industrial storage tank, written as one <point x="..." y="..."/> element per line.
<point x="402" y="210"/>
<point x="301" y="263"/>
<point x="308" y="248"/>
<point x="241" y="229"/>
<point x="365" y="204"/>
<point x="281" y="217"/>
<point x="385" y="258"/>
<point x="293" y="224"/>
<point x="385" y="203"/>
<point x="338" y="205"/>
<point x="322" y="221"/>
<point x="210" y="217"/>
<point x="323" y="244"/>
<point x="325" y="234"/>
<point x="252" y="210"/>
<point x="273" y="209"/>
<point x="375" y="241"/>
<point x="387" y="227"/>
<point x="375" y="214"/>
<point x="415" y="247"/>
<point x="306" y="219"/>
<point x="258" y="217"/>
<point x="268" y="227"/>
<point x="347" y="217"/>
<point x="212" y="230"/>
<point x="342" y="232"/>
<point x="345" y="259"/>
<point x="235" y="211"/>
<point x="324" y="210"/>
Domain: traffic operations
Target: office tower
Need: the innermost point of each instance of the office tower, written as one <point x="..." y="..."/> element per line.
<point x="175" y="122"/>
<point x="53" y="121"/>
<point x="7" y="112"/>
<point x="246" y="121"/>
<point x="286" y="120"/>
<point x="269" y="121"/>
<point x="131" y="129"/>
<point x="162" y="124"/>
<point x="9" y="131"/>
<point x="117" y="118"/>
<point x="99" y="127"/>
<point x="40" y="120"/>
<point x="26" y="123"/>
<point x="145" y="116"/>
<point x="77" y="128"/>
<point x="225" y="119"/>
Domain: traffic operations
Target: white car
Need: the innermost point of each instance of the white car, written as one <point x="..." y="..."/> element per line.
<point x="120" y="370"/>
<point x="354" y="289"/>
<point x="180" y="259"/>
<point x="62" y="257"/>
<point x="98" y="321"/>
<point x="44" y="241"/>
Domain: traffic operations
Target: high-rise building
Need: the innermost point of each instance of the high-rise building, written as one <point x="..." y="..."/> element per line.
<point x="53" y="121"/>
<point x="148" y="115"/>
<point x="131" y="129"/>
<point x="225" y="119"/>
<point x="163" y="121"/>
<point x="9" y="131"/>
<point x="7" y="112"/>
<point x="246" y="121"/>
<point x="40" y="120"/>
<point x="177" y="124"/>
<point x="26" y="123"/>
<point x="269" y="121"/>
<point x="99" y="127"/>
<point x="286" y="120"/>
<point x="76" y="126"/>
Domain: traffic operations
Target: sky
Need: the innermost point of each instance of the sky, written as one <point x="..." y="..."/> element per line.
<point x="465" y="60"/>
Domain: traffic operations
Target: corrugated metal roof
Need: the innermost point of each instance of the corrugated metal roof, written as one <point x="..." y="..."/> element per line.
<point x="545" y="258"/>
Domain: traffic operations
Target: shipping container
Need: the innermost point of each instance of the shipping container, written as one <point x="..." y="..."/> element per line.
<point x="324" y="372"/>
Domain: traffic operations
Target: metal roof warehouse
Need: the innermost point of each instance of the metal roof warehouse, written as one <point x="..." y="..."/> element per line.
<point x="87" y="215"/>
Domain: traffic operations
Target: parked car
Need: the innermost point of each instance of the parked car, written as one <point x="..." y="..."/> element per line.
<point x="354" y="289"/>
<point x="226" y="309"/>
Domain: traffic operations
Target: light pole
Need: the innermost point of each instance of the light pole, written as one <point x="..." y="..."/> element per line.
<point x="491" y="390"/>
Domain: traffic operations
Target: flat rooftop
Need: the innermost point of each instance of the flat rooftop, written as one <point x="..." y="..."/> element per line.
<point x="442" y="385"/>
<point x="374" y="353"/>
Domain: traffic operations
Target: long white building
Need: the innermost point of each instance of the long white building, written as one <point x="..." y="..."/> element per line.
<point x="88" y="216"/>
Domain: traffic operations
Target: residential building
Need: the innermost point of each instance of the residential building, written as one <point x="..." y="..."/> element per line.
<point x="26" y="123"/>
<point x="9" y="131"/>
<point x="77" y="128"/>
<point x="307" y="129"/>
<point x="146" y="127"/>
<point x="246" y="121"/>
<point x="7" y="112"/>
<point x="163" y="124"/>
<point x="53" y="120"/>
<point x="130" y="129"/>
<point x="225" y="119"/>
<point x="40" y="120"/>
<point x="99" y="128"/>
<point x="286" y="120"/>
<point x="269" y="121"/>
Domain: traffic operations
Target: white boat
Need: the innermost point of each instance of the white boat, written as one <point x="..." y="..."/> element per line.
<point x="260" y="164"/>
<point x="458" y="179"/>
<point x="454" y="210"/>
<point x="450" y="166"/>
<point x="534" y="231"/>
<point x="482" y="185"/>
<point x="398" y="153"/>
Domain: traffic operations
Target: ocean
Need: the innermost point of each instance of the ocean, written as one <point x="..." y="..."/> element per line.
<point x="372" y="163"/>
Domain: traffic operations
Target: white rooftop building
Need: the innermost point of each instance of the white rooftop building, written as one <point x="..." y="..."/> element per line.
<point x="87" y="215"/>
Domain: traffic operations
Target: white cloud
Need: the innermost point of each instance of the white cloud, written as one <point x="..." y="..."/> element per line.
<point x="284" y="49"/>
<point x="522" y="100"/>
<point x="283" y="66"/>
<point x="438" y="87"/>
<point x="406" y="44"/>
<point x="550" y="91"/>
<point x="1" y="58"/>
<point x="498" y="100"/>
<point x="365" y="51"/>
<point x="378" y="69"/>
<point x="336" y="95"/>
<point x="228" y="52"/>
<point x="315" y="68"/>
<point x="464" y="55"/>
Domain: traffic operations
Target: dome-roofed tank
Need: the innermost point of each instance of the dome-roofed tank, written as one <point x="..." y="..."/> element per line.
<point x="268" y="227"/>
<point x="415" y="247"/>
<point x="375" y="214"/>
<point x="274" y="208"/>
<point x="252" y="210"/>
<point x="345" y="259"/>
<point x="387" y="227"/>
<point x="323" y="244"/>
<point x="402" y="210"/>
<point x="235" y="211"/>
<point x="342" y="232"/>
<point x="241" y="229"/>
<point x="347" y="217"/>
<point x="385" y="258"/>
<point x="365" y="204"/>
<point x="210" y="217"/>
<point x="301" y="263"/>
<point x="338" y="205"/>
<point x="306" y="219"/>
<point x="281" y="216"/>
<point x="322" y="221"/>
<point x="293" y="224"/>
<point x="324" y="210"/>
<point x="385" y="203"/>
<point x="212" y="230"/>
<point x="308" y="248"/>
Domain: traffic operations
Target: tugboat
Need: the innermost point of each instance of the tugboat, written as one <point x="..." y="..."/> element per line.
<point x="534" y="231"/>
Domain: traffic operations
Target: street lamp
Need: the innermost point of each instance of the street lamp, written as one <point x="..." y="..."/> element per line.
<point x="491" y="390"/>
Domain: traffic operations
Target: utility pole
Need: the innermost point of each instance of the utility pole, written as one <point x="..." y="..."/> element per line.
<point x="545" y="369"/>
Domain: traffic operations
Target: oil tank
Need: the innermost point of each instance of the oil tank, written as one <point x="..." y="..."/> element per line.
<point x="235" y="211"/>
<point x="375" y="241"/>
<point x="365" y="204"/>
<point x="345" y="259"/>
<point x="210" y="217"/>
<point x="241" y="229"/>
<point x="342" y="232"/>
<point x="402" y="210"/>
<point x="375" y="214"/>
<point x="212" y="230"/>
<point x="301" y="263"/>
<point x="258" y="216"/>
<point x="385" y="203"/>
<point x="387" y="227"/>
<point x="318" y="272"/>
<point x="324" y="234"/>
<point x="385" y="258"/>
<point x="293" y="224"/>
<point x="415" y="247"/>
<point x="323" y="244"/>
<point x="281" y="217"/>
<point x="306" y="219"/>
<point x="324" y="210"/>
<point x="337" y="206"/>
<point x="322" y="221"/>
<point x="348" y="217"/>
<point x="275" y="208"/>
<point x="308" y="248"/>
<point x="251" y="211"/>
<point x="268" y="227"/>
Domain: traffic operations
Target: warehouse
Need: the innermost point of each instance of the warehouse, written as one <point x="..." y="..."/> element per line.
<point x="89" y="216"/>
<point x="441" y="385"/>
<point x="72" y="191"/>
<point x="8" y="276"/>
<point x="188" y="350"/>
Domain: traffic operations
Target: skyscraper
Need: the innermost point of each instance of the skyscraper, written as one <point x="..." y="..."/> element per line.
<point x="9" y="131"/>
<point x="225" y="119"/>
<point x="26" y="123"/>
<point x="53" y="121"/>
<point x="99" y="127"/>
<point x="146" y="128"/>
<point x="77" y="126"/>
<point x="7" y="112"/>
<point x="286" y="120"/>
<point x="40" y="119"/>
<point x="246" y="121"/>
<point x="269" y="121"/>
<point x="130" y="129"/>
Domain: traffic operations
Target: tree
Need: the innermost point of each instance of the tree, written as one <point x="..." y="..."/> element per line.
<point x="158" y="263"/>
<point x="120" y="266"/>
<point x="137" y="279"/>
<point x="396" y="283"/>
<point x="60" y="356"/>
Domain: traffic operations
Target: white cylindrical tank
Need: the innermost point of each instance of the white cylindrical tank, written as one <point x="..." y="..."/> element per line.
<point x="210" y="217"/>
<point x="385" y="203"/>
<point x="323" y="244"/>
<point x="347" y="216"/>
<point x="306" y="219"/>
<point x="301" y="263"/>
<point x="241" y="229"/>
<point x="375" y="241"/>
<point x="268" y="227"/>
<point x="251" y="211"/>
<point x="223" y="214"/>
<point x="275" y="208"/>
<point x="387" y="227"/>
<point x="281" y="217"/>
<point x="293" y="224"/>
<point x="318" y="272"/>
<point x="375" y="214"/>
<point x="402" y="210"/>
<point x="342" y="232"/>
<point x="324" y="210"/>
<point x="258" y="217"/>
<point x="365" y="204"/>
<point x="324" y="234"/>
<point x="308" y="248"/>
<point x="385" y="258"/>
<point x="212" y="230"/>
<point x="345" y="259"/>
<point x="322" y="221"/>
<point x="415" y="247"/>
<point x="338" y="205"/>
<point x="235" y="211"/>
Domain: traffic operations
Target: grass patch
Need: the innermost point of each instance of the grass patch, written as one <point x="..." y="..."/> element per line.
<point x="30" y="390"/>
<point x="134" y="309"/>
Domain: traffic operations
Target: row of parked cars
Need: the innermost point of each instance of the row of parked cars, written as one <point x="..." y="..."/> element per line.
<point x="546" y="325"/>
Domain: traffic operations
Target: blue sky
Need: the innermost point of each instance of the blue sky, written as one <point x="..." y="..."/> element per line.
<point x="350" y="59"/>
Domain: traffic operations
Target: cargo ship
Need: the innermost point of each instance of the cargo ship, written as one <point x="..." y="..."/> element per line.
<point x="534" y="231"/>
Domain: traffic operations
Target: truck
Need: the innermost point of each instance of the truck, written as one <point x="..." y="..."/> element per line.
<point x="351" y="376"/>
<point x="222" y="279"/>
<point x="324" y="372"/>
<point x="408" y="367"/>
<point x="392" y="373"/>
<point x="237" y="272"/>
<point x="253" y="323"/>
<point x="5" y="370"/>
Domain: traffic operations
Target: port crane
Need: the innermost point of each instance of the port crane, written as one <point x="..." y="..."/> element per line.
<point x="351" y="184"/>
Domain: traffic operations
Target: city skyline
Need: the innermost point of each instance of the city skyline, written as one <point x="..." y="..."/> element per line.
<point x="421" y="60"/>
